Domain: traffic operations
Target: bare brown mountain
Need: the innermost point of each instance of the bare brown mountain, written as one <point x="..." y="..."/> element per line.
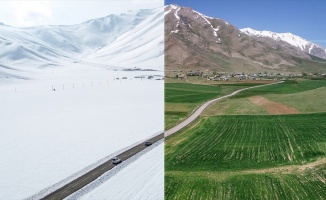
<point x="196" y="41"/>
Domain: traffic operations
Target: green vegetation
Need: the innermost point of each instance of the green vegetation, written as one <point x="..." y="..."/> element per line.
<point x="248" y="157"/>
<point x="235" y="150"/>
<point x="308" y="96"/>
<point x="305" y="186"/>
<point x="306" y="102"/>
<point x="190" y="93"/>
<point x="248" y="142"/>
<point x="239" y="106"/>
<point x="182" y="98"/>
<point x="288" y="87"/>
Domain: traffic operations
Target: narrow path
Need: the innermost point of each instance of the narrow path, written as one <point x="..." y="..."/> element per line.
<point x="196" y="114"/>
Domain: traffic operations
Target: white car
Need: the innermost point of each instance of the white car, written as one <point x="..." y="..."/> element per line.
<point x="148" y="143"/>
<point x="116" y="160"/>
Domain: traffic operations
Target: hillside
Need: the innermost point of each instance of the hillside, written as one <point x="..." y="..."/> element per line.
<point x="109" y="42"/>
<point x="195" y="41"/>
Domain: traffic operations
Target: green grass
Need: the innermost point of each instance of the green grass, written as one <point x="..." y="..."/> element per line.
<point x="288" y="87"/>
<point x="252" y="186"/>
<point x="190" y="93"/>
<point x="305" y="96"/>
<point x="176" y="112"/>
<point x="239" y="106"/>
<point x="252" y="156"/>
<point x="224" y="157"/>
<point x="248" y="142"/>
<point x="182" y="98"/>
<point x="306" y="101"/>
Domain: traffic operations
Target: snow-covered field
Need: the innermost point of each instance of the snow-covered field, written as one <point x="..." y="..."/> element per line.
<point x="139" y="179"/>
<point x="46" y="135"/>
<point x="62" y="108"/>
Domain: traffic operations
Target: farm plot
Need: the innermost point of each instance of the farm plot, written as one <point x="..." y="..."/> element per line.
<point x="304" y="97"/>
<point x="307" y="101"/>
<point x="288" y="87"/>
<point x="182" y="98"/>
<point x="307" y="185"/>
<point x="248" y="157"/>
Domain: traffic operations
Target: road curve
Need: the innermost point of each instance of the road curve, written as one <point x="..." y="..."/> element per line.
<point x="90" y="176"/>
<point x="197" y="112"/>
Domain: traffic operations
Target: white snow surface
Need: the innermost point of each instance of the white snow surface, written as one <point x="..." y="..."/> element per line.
<point x="290" y="38"/>
<point x="93" y="41"/>
<point x="142" y="46"/>
<point x="46" y="136"/>
<point x="140" y="177"/>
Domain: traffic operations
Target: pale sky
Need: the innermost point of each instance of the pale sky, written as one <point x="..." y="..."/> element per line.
<point x="26" y="13"/>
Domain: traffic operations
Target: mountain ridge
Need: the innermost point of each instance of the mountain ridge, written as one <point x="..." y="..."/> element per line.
<point x="32" y="48"/>
<point x="296" y="41"/>
<point x="194" y="40"/>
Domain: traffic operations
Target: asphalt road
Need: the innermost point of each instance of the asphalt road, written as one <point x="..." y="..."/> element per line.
<point x="90" y="176"/>
<point x="197" y="112"/>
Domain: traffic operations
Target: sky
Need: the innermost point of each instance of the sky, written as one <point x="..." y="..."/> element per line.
<point x="305" y="18"/>
<point x="25" y="13"/>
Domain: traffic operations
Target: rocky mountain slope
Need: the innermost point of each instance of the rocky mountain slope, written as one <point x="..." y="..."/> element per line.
<point x="294" y="40"/>
<point x="196" y="41"/>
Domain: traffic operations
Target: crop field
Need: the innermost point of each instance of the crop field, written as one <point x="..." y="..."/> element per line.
<point x="248" y="157"/>
<point x="305" y="186"/>
<point x="306" y="101"/>
<point x="182" y="98"/>
<point x="305" y="96"/>
<point x="288" y="87"/>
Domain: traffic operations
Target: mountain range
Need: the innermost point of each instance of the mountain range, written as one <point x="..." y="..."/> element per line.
<point x="196" y="41"/>
<point x="128" y="40"/>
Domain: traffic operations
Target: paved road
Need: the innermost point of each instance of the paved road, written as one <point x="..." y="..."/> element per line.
<point x="194" y="115"/>
<point x="90" y="176"/>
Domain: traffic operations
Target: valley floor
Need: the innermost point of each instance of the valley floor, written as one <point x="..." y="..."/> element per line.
<point x="237" y="149"/>
<point x="47" y="136"/>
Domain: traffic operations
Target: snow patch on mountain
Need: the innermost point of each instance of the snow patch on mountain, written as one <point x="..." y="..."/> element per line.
<point x="176" y="14"/>
<point x="132" y="39"/>
<point x="294" y="40"/>
<point x="140" y="47"/>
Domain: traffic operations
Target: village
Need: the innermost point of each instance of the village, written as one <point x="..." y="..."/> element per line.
<point x="226" y="76"/>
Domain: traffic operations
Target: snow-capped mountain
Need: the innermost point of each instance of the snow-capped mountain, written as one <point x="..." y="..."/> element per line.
<point x="143" y="46"/>
<point x="194" y="40"/>
<point x="294" y="40"/>
<point x="132" y="39"/>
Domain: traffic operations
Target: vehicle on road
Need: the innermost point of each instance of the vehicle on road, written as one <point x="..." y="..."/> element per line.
<point x="148" y="143"/>
<point x="116" y="160"/>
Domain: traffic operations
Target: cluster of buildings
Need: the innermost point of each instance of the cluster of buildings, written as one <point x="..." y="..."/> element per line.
<point x="216" y="76"/>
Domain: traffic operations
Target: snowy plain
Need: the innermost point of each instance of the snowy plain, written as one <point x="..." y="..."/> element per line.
<point x="66" y="103"/>
<point x="48" y="135"/>
<point x="141" y="178"/>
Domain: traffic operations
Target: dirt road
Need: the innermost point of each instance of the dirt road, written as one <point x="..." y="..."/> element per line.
<point x="197" y="112"/>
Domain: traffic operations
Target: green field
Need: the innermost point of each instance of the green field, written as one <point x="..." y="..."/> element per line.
<point x="288" y="87"/>
<point x="235" y="150"/>
<point x="306" y="96"/>
<point x="221" y="155"/>
<point x="305" y="186"/>
<point x="182" y="98"/>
